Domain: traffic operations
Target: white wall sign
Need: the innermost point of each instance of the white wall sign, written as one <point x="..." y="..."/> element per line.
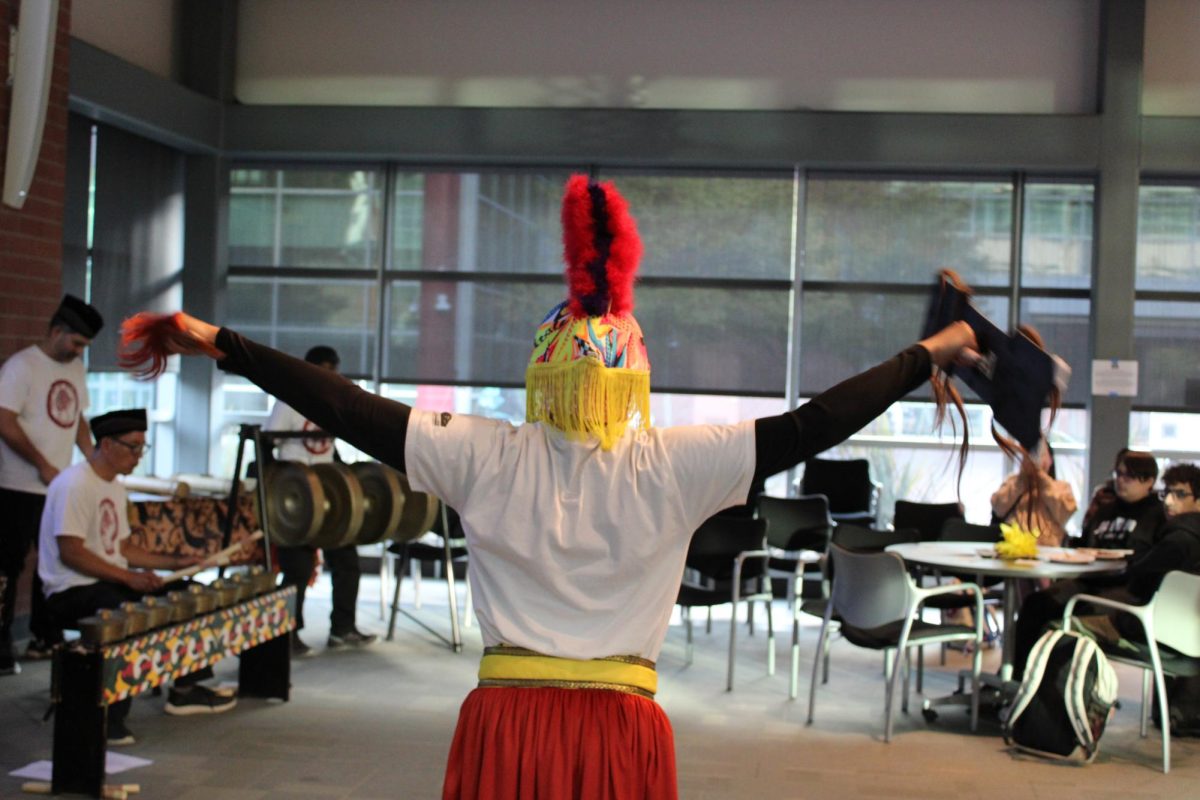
<point x="1114" y="377"/>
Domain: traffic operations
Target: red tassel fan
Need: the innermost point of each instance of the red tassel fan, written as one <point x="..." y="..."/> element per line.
<point x="147" y="339"/>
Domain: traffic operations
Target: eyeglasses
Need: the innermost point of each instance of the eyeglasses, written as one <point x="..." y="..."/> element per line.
<point x="1178" y="494"/>
<point x="1120" y="474"/>
<point x="137" y="449"/>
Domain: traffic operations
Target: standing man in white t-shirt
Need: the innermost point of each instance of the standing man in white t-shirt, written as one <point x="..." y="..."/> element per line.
<point x="297" y="563"/>
<point x="43" y="394"/>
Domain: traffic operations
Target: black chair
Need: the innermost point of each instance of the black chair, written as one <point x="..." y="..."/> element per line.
<point x="727" y="563"/>
<point x="959" y="530"/>
<point x="853" y="496"/>
<point x="798" y="532"/>
<point x="450" y="555"/>
<point x="927" y="518"/>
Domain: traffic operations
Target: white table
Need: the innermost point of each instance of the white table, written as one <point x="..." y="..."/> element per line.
<point x="964" y="557"/>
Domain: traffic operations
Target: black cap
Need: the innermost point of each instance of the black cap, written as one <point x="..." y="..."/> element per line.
<point x="322" y="354"/>
<point x="77" y="315"/>
<point x="114" y="423"/>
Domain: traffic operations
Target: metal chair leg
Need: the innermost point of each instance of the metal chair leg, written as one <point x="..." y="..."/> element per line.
<point x="822" y="647"/>
<point x="385" y="579"/>
<point x="794" y="683"/>
<point x="455" y="632"/>
<point x="921" y="669"/>
<point x="414" y="568"/>
<point x="469" y="611"/>
<point x="732" y="645"/>
<point x="1147" y="679"/>
<point x="691" y="647"/>
<point x="401" y="557"/>
<point x="894" y="669"/>
<point x="770" y="640"/>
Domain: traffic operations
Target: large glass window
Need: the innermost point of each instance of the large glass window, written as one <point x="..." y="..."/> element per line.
<point x="470" y="260"/>
<point x="323" y="218"/>
<point x="1056" y="250"/>
<point x="1168" y="297"/>
<point x="904" y="231"/>
<point x="873" y="249"/>
<point x="729" y="227"/>
<point x="1056" y="275"/>
<point x="294" y="314"/>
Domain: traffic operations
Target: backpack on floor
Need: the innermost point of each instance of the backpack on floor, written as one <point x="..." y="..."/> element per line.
<point x="1065" y="700"/>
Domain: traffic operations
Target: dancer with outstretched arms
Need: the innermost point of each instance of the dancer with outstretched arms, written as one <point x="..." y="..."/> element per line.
<point x="578" y="521"/>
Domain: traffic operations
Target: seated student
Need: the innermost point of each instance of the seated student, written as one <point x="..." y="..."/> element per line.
<point x="85" y="555"/>
<point x="1176" y="547"/>
<point x="1034" y="498"/>
<point x="1124" y="512"/>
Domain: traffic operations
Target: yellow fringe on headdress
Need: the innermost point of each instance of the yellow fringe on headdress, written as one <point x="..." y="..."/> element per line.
<point x="584" y="398"/>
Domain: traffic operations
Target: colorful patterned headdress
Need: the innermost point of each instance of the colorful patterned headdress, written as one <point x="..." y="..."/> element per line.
<point x="589" y="374"/>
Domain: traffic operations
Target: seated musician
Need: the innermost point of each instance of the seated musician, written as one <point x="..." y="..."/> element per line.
<point x="1176" y="547"/>
<point x="87" y="563"/>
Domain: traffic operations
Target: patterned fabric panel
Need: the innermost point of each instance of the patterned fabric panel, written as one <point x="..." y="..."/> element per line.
<point x="134" y="665"/>
<point x="192" y="525"/>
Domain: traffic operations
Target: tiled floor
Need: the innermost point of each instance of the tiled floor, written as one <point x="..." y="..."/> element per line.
<point x="377" y="723"/>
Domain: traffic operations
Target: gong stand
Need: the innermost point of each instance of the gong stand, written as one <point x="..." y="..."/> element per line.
<point x="264" y="442"/>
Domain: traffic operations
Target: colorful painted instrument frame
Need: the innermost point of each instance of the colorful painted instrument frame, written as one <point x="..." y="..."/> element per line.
<point x="134" y="665"/>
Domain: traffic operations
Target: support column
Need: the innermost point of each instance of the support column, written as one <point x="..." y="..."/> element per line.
<point x="207" y="31"/>
<point x="1122" y="29"/>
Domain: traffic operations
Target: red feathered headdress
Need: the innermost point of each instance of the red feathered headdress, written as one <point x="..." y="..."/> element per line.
<point x="601" y="247"/>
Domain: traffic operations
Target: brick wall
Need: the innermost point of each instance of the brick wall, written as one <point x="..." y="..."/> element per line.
<point x="31" y="239"/>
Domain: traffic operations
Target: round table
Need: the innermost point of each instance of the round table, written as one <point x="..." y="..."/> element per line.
<point x="968" y="557"/>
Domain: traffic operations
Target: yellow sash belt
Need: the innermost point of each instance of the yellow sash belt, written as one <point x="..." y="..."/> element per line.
<point x="515" y="666"/>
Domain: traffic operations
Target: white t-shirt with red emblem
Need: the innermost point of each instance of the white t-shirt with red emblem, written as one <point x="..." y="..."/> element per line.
<point x="82" y="504"/>
<point x="306" y="451"/>
<point x="48" y="397"/>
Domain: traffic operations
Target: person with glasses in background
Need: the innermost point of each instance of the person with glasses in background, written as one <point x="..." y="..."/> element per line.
<point x="43" y="395"/>
<point x="1125" y="512"/>
<point x="87" y="562"/>
<point x="1176" y="546"/>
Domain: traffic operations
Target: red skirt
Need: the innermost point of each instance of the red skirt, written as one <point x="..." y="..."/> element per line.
<point x="560" y="744"/>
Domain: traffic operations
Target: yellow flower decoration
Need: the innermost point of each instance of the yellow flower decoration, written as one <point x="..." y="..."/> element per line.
<point x="1018" y="542"/>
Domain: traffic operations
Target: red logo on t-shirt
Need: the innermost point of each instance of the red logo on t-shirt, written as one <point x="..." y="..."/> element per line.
<point x="110" y="527"/>
<point x="62" y="404"/>
<point x="318" y="447"/>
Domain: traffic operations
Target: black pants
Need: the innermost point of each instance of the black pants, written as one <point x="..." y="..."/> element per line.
<point x="296" y="564"/>
<point x="22" y="515"/>
<point x="70" y="605"/>
<point x="1046" y="606"/>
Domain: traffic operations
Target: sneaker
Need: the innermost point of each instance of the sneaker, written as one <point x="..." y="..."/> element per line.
<point x="38" y="650"/>
<point x="350" y="639"/>
<point x="225" y="689"/>
<point x="197" y="699"/>
<point x="119" y="735"/>
<point x="9" y="666"/>
<point x="299" y="648"/>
